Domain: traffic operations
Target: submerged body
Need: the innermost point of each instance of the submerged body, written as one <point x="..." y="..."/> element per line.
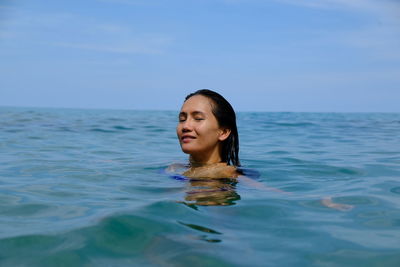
<point x="213" y="185"/>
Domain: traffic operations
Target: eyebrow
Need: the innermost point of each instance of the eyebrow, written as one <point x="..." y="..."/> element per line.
<point x="193" y="113"/>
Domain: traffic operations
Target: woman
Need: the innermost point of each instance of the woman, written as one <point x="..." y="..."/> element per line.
<point x="207" y="132"/>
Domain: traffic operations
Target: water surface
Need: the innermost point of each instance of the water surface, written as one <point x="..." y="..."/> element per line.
<point x="86" y="188"/>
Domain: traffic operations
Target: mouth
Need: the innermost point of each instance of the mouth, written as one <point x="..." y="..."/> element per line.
<point x="187" y="138"/>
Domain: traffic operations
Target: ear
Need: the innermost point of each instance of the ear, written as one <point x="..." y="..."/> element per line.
<point x="224" y="134"/>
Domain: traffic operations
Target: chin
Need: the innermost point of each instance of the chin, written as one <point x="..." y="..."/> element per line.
<point x="188" y="150"/>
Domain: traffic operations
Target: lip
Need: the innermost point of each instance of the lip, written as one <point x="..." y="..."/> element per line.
<point x="187" y="138"/>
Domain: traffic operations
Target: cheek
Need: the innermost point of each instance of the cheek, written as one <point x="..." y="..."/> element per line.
<point x="209" y="134"/>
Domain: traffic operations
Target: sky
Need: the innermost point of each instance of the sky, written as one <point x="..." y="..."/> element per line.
<point x="262" y="55"/>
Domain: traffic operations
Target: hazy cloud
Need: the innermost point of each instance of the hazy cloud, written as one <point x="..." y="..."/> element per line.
<point x="381" y="38"/>
<point x="129" y="2"/>
<point x="386" y="10"/>
<point x="129" y="46"/>
<point x="72" y="31"/>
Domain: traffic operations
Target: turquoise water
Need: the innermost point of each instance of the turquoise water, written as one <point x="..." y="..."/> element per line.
<point x="86" y="188"/>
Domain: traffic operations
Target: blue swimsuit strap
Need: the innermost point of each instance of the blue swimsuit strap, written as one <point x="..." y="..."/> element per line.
<point x="174" y="175"/>
<point x="179" y="177"/>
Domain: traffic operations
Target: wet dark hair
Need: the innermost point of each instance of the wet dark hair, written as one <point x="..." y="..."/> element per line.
<point x="226" y="117"/>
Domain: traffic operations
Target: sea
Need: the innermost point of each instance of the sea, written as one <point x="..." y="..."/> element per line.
<point x="86" y="187"/>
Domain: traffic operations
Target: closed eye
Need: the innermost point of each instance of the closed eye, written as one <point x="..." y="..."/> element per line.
<point x="182" y="116"/>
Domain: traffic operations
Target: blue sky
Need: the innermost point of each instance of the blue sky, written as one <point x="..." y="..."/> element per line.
<point x="262" y="55"/>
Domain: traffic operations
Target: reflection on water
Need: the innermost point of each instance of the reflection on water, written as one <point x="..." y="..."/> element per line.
<point x="211" y="192"/>
<point x="205" y="230"/>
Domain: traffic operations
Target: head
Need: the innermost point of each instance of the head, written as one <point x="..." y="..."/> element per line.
<point x="207" y="127"/>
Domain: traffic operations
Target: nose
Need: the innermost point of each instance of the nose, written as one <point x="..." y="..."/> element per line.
<point x="186" y="126"/>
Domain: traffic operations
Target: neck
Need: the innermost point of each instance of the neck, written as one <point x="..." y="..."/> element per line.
<point x="206" y="157"/>
<point x="198" y="162"/>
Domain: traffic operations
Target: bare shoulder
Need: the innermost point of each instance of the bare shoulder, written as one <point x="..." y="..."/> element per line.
<point x="230" y="172"/>
<point x="220" y="171"/>
<point x="175" y="167"/>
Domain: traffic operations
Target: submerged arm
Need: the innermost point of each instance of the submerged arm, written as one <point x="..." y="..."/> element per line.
<point x="326" y="201"/>
<point x="259" y="185"/>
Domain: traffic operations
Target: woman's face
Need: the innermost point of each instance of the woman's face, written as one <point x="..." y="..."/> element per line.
<point x="198" y="130"/>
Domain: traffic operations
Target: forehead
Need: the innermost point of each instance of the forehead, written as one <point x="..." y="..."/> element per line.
<point x="197" y="103"/>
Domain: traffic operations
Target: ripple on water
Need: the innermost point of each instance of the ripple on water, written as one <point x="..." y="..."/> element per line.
<point x="354" y="257"/>
<point x="100" y="130"/>
<point x="27" y="210"/>
<point x="113" y="239"/>
<point x="395" y="190"/>
<point x="123" y="128"/>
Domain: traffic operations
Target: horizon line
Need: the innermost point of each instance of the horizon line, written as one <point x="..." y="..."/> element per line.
<point x="177" y="110"/>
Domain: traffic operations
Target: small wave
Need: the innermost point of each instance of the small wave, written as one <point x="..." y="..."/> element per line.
<point x="395" y="190"/>
<point x="293" y="160"/>
<point x="278" y="152"/>
<point x="14" y="131"/>
<point x="27" y="210"/>
<point x="65" y="129"/>
<point x="24" y="120"/>
<point x="102" y="130"/>
<point x="289" y="124"/>
<point x="329" y="170"/>
<point x="118" y="127"/>
<point x="200" y="228"/>
<point x="35" y="137"/>
<point x="350" y="171"/>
